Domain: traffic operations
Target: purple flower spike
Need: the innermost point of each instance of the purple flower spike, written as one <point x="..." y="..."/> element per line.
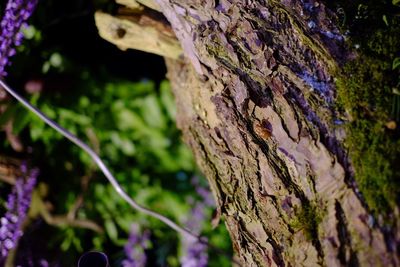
<point x="17" y="207"/>
<point x="195" y="253"/>
<point x="134" y="248"/>
<point x="16" y="14"/>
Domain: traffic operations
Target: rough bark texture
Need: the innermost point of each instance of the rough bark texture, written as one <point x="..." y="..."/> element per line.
<point x="257" y="110"/>
<point x="255" y="98"/>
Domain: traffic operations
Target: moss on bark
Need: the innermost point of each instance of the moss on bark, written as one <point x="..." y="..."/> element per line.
<point x="309" y="216"/>
<point x="366" y="91"/>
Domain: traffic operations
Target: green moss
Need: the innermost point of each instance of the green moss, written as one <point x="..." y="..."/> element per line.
<point x="307" y="219"/>
<point x="365" y="92"/>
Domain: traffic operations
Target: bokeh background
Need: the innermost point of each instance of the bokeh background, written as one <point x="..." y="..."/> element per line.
<point x="121" y="104"/>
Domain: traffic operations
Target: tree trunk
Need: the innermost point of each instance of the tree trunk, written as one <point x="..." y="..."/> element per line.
<point x="255" y="98"/>
<point x="257" y="110"/>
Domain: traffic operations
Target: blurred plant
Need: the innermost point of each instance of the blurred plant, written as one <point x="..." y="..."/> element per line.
<point x="122" y="118"/>
<point x="195" y="253"/>
<point x="17" y="206"/>
<point x="133" y="123"/>
<point x="16" y="14"/>
<point x="134" y="248"/>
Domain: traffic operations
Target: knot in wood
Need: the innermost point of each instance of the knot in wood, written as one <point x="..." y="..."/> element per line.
<point x="263" y="129"/>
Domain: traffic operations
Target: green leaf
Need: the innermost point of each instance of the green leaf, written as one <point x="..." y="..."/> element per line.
<point x="124" y="222"/>
<point x="152" y="113"/>
<point x="68" y="115"/>
<point x="49" y="111"/>
<point x="111" y="229"/>
<point x="56" y="60"/>
<point x="123" y="143"/>
<point x="396" y="2"/>
<point x="36" y="129"/>
<point x="127" y="120"/>
<point x="77" y="243"/>
<point x="69" y="236"/>
<point x="66" y="244"/>
<point x="84" y="102"/>
<point x="29" y="32"/>
<point x="384" y="18"/>
<point x="46" y="67"/>
<point x="21" y="119"/>
<point x="396" y="62"/>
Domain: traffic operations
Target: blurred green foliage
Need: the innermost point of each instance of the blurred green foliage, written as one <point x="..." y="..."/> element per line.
<point x="130" y="123"/>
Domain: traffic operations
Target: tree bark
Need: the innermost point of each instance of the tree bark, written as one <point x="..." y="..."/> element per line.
<point x="257" y="109"/>
<point x="256" y="103"/>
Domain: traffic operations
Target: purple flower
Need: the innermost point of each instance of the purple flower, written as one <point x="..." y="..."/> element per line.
<point x="196" y="255"/>
<point x="134" y="248"/>
<point x="17" y="206"/>
<point x="203" y="192"/>
<point x="16" y="14"/>
<point x="197" y="217"/>
<point x="195" y="252"/>
<point x="44" y="263"/>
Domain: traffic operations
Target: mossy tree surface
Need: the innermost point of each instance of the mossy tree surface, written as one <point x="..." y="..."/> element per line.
<point x="294" y="139"/>
<point x="369" y="92"/>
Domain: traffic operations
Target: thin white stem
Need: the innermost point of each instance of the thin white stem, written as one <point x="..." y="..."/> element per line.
<point x="185" y="232"/>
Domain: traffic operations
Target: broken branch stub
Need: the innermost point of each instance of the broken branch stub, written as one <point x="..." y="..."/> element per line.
<point x="140" y="32"/>
<point x="138" y="4"/>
